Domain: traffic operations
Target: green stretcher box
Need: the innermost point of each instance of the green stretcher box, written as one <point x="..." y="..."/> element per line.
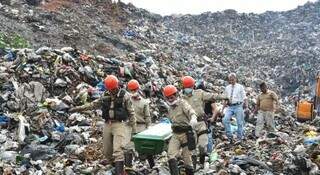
<point x="153" y="140"/>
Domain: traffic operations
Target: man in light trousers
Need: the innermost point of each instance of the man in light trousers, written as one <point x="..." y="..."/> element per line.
<point x="267" y="102"/>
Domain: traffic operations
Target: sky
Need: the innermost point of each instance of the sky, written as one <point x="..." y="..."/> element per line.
<point x="169" y="7"/>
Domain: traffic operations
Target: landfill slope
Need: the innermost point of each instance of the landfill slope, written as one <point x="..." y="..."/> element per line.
<point x="74" y="44"/>
<point x="283" y="43"/>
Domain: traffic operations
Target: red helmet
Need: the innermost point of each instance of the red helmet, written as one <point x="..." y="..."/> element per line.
<point x="188" y="82"/>
<point x="133" y="85"/>
<point x="111" y="82"/>
<point x="169" y="90"/>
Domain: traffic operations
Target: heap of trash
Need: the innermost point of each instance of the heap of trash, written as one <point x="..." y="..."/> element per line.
<point x="39" y="135"/>
<point x="41" y="83"/>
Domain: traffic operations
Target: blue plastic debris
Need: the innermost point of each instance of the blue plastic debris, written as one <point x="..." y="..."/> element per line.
<point x="4" y="120"/>
<point x="165" y="120"/>
<point x="130" y="33"/>
<point x="310" y="141"/>
<point x="10" y="56"/>
<point x="59" y="126"/>
<point x="43" y="139"/>
<point x="100" y="86"/>
<point x="210" y="140"/>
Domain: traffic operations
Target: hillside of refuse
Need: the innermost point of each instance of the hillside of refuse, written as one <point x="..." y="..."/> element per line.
<point x="54" y="55"/>
<point x="284" y="45"/>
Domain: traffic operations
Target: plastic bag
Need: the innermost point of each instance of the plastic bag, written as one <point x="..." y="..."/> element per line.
<point x="24" y="129"/>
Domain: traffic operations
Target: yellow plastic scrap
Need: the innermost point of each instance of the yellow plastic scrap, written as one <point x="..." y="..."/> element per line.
<point x="100" y="72"/>
<point x="311" y="134"/>
<point x="318" y="158"/>
<point x="239" y="150"/>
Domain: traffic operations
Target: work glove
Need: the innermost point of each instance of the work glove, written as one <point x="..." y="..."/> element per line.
<point x="193" y="121"/>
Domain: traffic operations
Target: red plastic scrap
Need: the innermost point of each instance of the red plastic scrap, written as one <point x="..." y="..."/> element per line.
<point x="85" y="57"/>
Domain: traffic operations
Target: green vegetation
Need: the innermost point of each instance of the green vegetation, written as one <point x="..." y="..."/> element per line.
<point x="12" y="41"/>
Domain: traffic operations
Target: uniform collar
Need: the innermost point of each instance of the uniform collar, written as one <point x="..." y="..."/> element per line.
<point x="176" y="104"/>
<point x="117" y="95"/>
<point x="136" y="98"/>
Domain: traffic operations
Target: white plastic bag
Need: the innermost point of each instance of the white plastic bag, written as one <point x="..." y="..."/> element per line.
<point x="24" y="128"/>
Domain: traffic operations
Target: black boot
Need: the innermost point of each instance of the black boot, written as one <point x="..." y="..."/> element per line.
<point x="128" y="157"/>
<point x="202" y="159"/>
<point x="119" y="168"/>
<point x="189" y="171"/>
<point x="150" y="161"/>
<point x="194" y="161"/>
<point x="173" y="166"/>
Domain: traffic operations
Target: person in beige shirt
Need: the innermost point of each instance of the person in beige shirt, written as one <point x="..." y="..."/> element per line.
<point x="143" y="117"/>
<point x="184" y="120"/>
<point x="141" y="106"/>
<point x="197" y="99"/>
<point x="267" y="103"/>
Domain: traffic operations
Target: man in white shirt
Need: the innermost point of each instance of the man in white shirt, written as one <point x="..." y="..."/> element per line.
<point x="237" y="97"/>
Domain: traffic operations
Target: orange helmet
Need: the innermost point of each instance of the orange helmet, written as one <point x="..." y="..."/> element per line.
<point x="188" y="82"/>
<point x="169" y="90"/>
<point x="111" y="82"/>
<point x="133" y="85"/>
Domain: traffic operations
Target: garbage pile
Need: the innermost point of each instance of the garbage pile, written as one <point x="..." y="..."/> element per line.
<point x="38" y="87"/>
<point x="283" y="45"/>
<point x="39" y="136"/>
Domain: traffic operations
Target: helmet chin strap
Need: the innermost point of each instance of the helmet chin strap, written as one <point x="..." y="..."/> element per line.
<point x="114" y="91"/>
<point x="135" y="95"/>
